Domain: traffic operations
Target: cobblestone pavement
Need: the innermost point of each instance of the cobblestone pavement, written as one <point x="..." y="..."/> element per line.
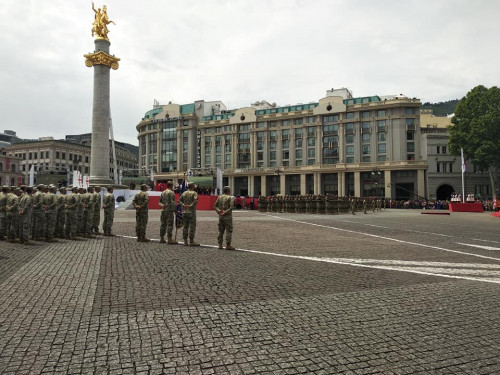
<point x="394" y="292"/>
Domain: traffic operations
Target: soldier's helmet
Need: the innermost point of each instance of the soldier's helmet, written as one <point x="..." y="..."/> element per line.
<point x="40" y="186"/>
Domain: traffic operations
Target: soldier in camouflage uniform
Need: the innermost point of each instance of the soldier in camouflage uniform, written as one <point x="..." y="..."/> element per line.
<point x="224" y="207"/>
<point x="168" y="209"/>
<point x="3" y="213"/>
<point x="25" y="211"/>
<point x="96" y="216"/>
<point x="70" y="207"/>
<point x="352" y="206"/>
<point x="108" y="204"/>
<point x="140" y="203"/>
<point x="60" y="213"/>
<point x="12" y="216"/>
<point x="87" y="211"/>
<point x="79" y="211"/>
<point x="189" y="200"/>
<point x="49" y="206"/>
<point x="38" y="215"/>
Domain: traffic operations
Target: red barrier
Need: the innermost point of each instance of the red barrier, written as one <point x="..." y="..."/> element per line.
<point x="205" y="202"/>
<point x="466" y="207"/>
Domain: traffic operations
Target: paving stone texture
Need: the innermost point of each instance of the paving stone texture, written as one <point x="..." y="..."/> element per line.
<point x="321" y="294"/>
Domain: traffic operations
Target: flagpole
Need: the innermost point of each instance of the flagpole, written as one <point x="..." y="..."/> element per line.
<point x="463" y="173"/>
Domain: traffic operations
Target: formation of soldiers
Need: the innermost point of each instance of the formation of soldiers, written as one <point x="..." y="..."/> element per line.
<point x="38" y="213"/>
<point x="319" y="204"/>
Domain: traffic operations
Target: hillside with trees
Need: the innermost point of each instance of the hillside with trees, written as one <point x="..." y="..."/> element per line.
<point x="442" y="108"/>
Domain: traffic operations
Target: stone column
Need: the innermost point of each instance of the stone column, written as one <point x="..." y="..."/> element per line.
<point x="303" y="187"/>
<point x="99" y="152"/>
<point x="387" y="183"/>
<point x="263" y="185"/>
<point x="357" y="184"/>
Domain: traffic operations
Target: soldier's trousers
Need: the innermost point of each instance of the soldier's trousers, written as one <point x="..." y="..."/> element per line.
<point x="108" y="221"/>
<point x="86" y="222"/>
<point x="96" y="218"/>
<point x="189" y="221"/>
<point x="141" y="222"/>
<point x="167" y="223"/>
<point x="60" y="218"/>
<point x="50" y="224"/>
<point x="38" y="218"/>
<point x="225" y="224"/>
<point x="25" y="226"/>
<point x="70" y="224"/>
<point x="3" y="225"/>
<point x="12" y="224"/>
<point x="79" y="221"/>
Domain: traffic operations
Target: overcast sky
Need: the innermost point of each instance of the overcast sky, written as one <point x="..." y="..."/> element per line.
<point x="239" y="51"/>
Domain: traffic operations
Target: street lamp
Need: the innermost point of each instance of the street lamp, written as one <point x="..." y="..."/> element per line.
<point x="376" y="173"/>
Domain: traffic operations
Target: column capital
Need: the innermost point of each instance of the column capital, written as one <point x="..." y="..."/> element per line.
<point x="101" y="58"/>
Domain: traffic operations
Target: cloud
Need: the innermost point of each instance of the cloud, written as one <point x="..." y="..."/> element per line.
<point x="284" y="51"/>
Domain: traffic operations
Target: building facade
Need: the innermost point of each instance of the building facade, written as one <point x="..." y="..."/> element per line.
<point x="444" y="173"/>
<point x="368" y="146"/>
<point x="10" y="173"/>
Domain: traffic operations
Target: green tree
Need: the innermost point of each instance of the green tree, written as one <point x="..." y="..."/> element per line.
<point x="476" y="129"/>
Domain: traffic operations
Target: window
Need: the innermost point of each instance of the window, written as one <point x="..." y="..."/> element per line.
<point x="443" y="149"/>
<point x="298" y="142"/>
<point x="366" y="159"/>
<point x="381" y="136"/>
<point x="365" y="138"/>
<point x="272" y="155"/>
<point x="381" y="158"/>
<point x="260" y="156"/>
<point x="285" y="133"/>
<point x="349" y="160"/>
<point x="381" y="113"/>
<point x="381" y="125"/>
<point x="286" y="154"/>
<point x="410" y="136"/>
<point x="298" y="154"/>
<point x="365" y="127"/>
<point x="57" y="154"/>
<point x="86" y="159"/>
<point x="349" y="115"/>
<point x="349" y="138"/>
<point x="409" y="111"/>
<point x="311" y="141"/>
<point x="451" y="167"/>
<point x="331" y="141"/>
<point x="330" y="129"/>
<point x="410" y="147"/>
<point x="330" y="118"/>
<point x="349" y="128"/>
<point x="311" y="120"/>
<point x="298" y="121"/>
<point x="260" y="145"/>
<point x="381" y="148"/>
<point x="437" y="149"/>
<point x="261" y="124"/>
<point x="311" y="131"/>
<point x="285" y="143"/>
<point x="272" y="145"/>
<point x="365" y="114"/>
<point x="243" y="128"/>
<point x="349" y="150"/>
<point x="298" y="133"/>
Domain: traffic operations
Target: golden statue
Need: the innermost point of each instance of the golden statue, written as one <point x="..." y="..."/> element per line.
<point x="101" y="22"/>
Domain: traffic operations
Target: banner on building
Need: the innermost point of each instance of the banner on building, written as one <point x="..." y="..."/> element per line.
<point x="198" y="148"/>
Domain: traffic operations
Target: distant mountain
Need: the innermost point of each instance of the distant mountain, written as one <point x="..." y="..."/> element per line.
<point x="442" y="108"/>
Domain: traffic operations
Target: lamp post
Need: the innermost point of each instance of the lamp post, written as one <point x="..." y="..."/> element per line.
<point x="376" y="173"/>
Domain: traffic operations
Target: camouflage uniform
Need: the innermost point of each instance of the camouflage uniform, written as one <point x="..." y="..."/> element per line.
<point x="225" y="203"/>
<point x="87" y="211"/>
<point x="50" y="206"/>
<point x="79" y="214"/>
<point x="108" y="204"/>
<point x="140" y="202"/>
<point x="25" y="210"/>
<point x="167" y="202"/>
<point x="3" y="224"/>
<point x="96" y="218"/>
<point x="12" y="216"/>
<point x="70" y="227"/>
<point x="37" y="214"/>
<point x="189" y="198"/>
<point x="353" y="206"/>
<point x="60" y="214"/>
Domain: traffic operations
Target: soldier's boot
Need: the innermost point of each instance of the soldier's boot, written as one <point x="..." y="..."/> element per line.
<point x="162" y="239"/>
<point x="139" y="239"/>
<point x="171" y="241"/>
<point x="220" y="246"/>
<point x="192" y="243"/>
<point x="229" y="247"/>
<point x="186" y="243"/>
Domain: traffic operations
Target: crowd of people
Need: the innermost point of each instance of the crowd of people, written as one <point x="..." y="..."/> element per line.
<point x="38" y="213"/>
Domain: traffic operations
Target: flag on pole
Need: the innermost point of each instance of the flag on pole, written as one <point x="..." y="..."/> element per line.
<point x="32" y="175"/>
<point x="463" y="160"/>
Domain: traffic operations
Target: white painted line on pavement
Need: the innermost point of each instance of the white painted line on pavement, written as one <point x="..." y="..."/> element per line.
<point x="386" y="238"/>
<point x="477" y="239"/>
<point x="479" y="246"/>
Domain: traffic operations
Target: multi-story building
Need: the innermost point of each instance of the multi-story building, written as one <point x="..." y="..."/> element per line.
<point x="126" y="154"/>
<point x="340" y="145"/>
<point x="56" y="159"/>
<point x="51" y="157"/>
<point x="444" y="173"/>
<point x="10" y="173"/>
